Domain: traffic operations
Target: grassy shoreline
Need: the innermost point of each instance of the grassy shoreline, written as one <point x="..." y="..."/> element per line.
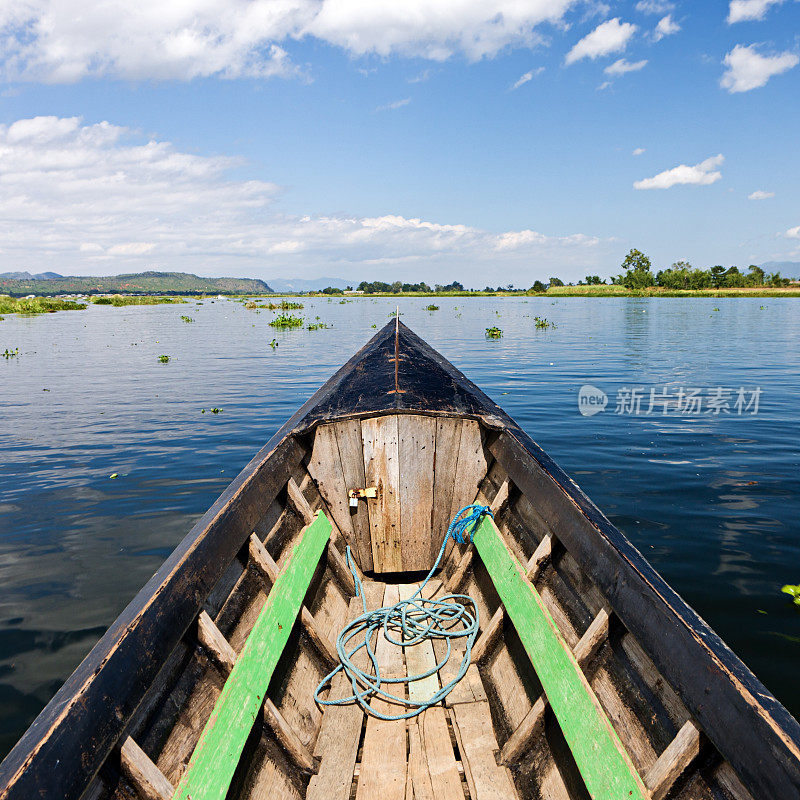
<point x="49" y="305"/>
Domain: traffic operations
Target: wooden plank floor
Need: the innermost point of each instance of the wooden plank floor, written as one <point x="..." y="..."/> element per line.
<point x="446" y="753"/>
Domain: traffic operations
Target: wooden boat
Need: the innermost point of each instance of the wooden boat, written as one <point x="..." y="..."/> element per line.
<point x="590" y="676"/>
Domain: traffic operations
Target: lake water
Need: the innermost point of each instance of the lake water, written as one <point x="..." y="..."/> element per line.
<point x="710" y="499"/>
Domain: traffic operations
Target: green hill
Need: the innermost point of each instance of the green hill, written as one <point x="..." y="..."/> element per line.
<point x="139" y="283"/>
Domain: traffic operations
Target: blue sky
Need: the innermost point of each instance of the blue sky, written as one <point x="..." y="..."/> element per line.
<point x="489" y="141"/>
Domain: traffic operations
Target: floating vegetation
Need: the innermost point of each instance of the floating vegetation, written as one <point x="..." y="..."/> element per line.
<point x="250" y="305"/>
<point x="186" y="319"/>
<point x="315" y="326"/>
<point x="214" y="410"/>
<point x="431" y="308"/>
<point x="542" y="323"/>
<point x="342" y="302"/>
<point x="285" y="321"/>
<point x="164" y="359"/>
<point x="373" y="326"/>
<point x="38" y="305"/>
<point x="119" y="300"/>
<point x="794" y="591"/>
<point x="494" y="333"/>
<point x="273" y="344"/>
<point x="113" y="476"/>
<point x="10" y="353"/>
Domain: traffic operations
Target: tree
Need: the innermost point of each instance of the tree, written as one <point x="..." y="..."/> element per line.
<point x="332" y="290"/>
<point x="717" y="275"/>
<point x="637" y="268"/>
<point x="593" y="280"/>
<point x="556" y="282"/>
<point x="538" y="287"/>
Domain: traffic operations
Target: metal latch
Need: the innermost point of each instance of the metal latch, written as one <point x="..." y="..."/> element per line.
<point x="354" y="494"/>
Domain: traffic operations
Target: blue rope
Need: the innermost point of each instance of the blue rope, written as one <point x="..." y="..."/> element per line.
<point x="409" y="622"/>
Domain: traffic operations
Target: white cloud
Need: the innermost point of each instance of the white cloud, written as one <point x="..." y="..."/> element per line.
<point x="666" y="27"/>
<point x="654" y="6"/>
<point x="760" y="195"/>
<point x="747" y="69"/>
<point x="63" y="41"/>
<point x="793" y="233"/>
<point x="97" y="198"/>
<point x="608" y="37"/>
<point x="523" y="79"/>
<point x="638" y="151"/>
<point x="396" y="104"/>
<point x="604" y="85"/>
<point x="702" y="174"/>
<point x="744" y="10"/>
<point x="623" y="66"/>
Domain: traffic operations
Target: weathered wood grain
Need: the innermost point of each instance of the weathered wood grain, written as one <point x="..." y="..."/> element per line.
<point x="143" y="774"/>
<point x="605" y="766"/>
<point x="448" y="442"/>
<point x="416" y="448"/>
<point x="382" y="469"/>
<point x="217" y="753"/>
<point x="383" y="760"/>
<point x="351" y="452"/>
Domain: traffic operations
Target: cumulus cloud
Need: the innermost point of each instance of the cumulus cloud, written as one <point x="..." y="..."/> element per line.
<point x="638" y="151"/>
<point x="702" y="174"/>
<point x="760" y="195"/>
<point x="523" y="79"/>
<point x="610" y="36"/>
<point x="97" y="197"/>
<point x="747" y="69"/>
<point x="62" y="41"/>
<point x="793" y="233"/>
<point x="744" y="10"/>
<point x="666" y="27"/>
<point x="623" y="66"/>
<point x="654" y="6"/>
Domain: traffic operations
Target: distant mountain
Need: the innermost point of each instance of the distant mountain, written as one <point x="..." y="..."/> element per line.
<point x="26" y="276"/>
<point x="138" y="283"/>
<point x="313" y="285"/>
<point x="787" y="268"/>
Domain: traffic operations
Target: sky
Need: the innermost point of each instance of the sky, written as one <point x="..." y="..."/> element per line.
<point x="487" y="141"/>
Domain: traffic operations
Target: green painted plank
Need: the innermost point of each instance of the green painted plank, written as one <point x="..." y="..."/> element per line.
<point x="604" y="765"/>
<point x="217" y="754"/>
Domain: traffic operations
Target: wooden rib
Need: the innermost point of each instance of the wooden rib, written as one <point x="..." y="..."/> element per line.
<point x="145" y="777"/>
<point x="265" y="564"/>
<point x="298" y="500"/>
<point x="501" y="498"/>
<point x="457" y="578"/>
<point x="289" y="740"/>
<point x="540" y="555"/>
<point x="682" y="750"/>
<point x="340" y="569"/>
<point x="221" y="651"/>
<point x="218" y="647"/>
<point x="585" y="649"/>
<point x="489" y="636"/>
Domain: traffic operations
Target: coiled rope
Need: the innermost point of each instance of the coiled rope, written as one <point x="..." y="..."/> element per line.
<point x="407" y="623"/>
